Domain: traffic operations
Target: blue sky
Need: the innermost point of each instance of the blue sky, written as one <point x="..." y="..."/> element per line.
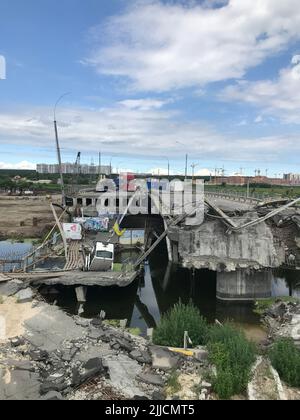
<point x="151" y="81"/>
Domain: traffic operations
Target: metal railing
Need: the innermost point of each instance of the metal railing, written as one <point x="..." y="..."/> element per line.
<point x="235" y="196"/>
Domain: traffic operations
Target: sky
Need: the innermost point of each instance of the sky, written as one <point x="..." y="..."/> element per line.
<point x="150" y="81"/>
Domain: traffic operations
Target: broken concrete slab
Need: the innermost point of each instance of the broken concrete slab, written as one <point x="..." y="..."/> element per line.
<point x="49" y="386"/>
<point x="39" y="355"/>
<point x="122" y="343"/>
<point x="93" y="352"/>
<point x="151" y="379"/>
<point x="91" y="369"/>
<point x="11" y="287"/>
<point x="123" y="372"/>
<point x="82" y="322"/>
<point x="19" y="385"/>
<point x="201" y="354"/>
<point x="141" y="356"/>
<point x="24" y="296"/>
<point x="96" y="334"/>
<point x="18" y="364"/>
<point x="53" y="396"/>
<point x="50" y="328"/>
<point x="163" y="359"/>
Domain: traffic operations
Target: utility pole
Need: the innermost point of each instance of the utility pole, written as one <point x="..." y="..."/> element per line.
<point x="248" y="188"/>
<point x="100" y="163"/>
<point x="193" y="166"/>
<point x="58" y="151"/>
<point x="186" y="166"/>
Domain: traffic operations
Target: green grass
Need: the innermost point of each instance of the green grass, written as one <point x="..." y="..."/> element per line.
<point x="115" y="323"/>
<point x="262" y="305"/>
<point x="267" y="190"/>
<point x="170" y="331"/>
<point x="285" y="357"/>
<point x="134" y="331"/>
<point x="233" y="356"/>
<point x="229" y="350"/>
<point x="173" y="383"/>
<point x="118" y="268"/>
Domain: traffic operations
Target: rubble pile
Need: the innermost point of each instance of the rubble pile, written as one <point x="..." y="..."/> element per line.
<point x="283" y="320"/>
<point x="92" y="361"/>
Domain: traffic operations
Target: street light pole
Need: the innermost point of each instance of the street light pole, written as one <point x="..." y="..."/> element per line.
<point x="186" y="166"/>
<point x="58" y="150"/>
<point x="193" y="166"/>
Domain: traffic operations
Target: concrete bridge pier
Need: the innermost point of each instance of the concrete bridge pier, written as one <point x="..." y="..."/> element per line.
<point x="81" y="292"/>
<point x="244" y="285"/>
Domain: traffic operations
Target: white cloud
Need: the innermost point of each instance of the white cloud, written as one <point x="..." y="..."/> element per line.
<point x="144" y="104"/>
<point x="21" y="165"/>
<point x="158" y="171"/>
<point x="280" y="97"/>
<point x="242" y="123"/>
<point x="162" y="46"/>
<point x="204" y="172"/>
<point x="122" y="132"/>
<point x="259" y="119"/>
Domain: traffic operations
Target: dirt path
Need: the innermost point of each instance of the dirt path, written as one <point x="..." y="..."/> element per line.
<point x="12" y="317"/>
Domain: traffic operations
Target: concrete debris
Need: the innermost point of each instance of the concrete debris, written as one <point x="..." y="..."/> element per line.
<point x="53" y="396"/>
<point x="206" y="385"/>
<point x="19" y="385"/>
<point x="17" y="341"/>
<point x="151" y="379"/>
<point x="123" y="372"/>
<point x="283" y="320"/>
<point x="163" y="359"/>
<point x="60" y="354"/>
<point x="25" y="295"/>
<point x="11" y="288"/>
<point x="141" y="356"/>
<point x="201" y="354"/>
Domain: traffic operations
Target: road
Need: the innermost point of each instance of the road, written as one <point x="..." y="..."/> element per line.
<point x="228" y="205"/>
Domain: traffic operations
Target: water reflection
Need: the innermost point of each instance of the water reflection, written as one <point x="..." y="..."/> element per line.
<point x="286" y="283"/>
<point x="162" y="286"/>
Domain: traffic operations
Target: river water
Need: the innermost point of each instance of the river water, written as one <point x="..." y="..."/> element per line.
<point x="163" y="285"/>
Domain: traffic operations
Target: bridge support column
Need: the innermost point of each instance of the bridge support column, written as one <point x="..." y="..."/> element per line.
<point x="175" y="253"/>
<point x="244" y="285"/>
<point x="81" y="294"/>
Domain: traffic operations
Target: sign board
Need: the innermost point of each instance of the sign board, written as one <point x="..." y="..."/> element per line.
<point x="73" y="231"/>
<point x="94" y="224"/>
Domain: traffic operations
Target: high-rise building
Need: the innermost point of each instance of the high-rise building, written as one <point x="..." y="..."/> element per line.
<point x="72" y="168"/>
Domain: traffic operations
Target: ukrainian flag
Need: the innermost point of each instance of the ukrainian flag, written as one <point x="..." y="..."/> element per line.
<point x="117" y="230"/>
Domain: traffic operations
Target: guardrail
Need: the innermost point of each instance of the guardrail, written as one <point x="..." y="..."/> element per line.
<point x="241" y="198"/>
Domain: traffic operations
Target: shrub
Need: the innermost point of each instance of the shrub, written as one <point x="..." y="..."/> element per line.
<point x="233" y="355"/>
<point x="285" y="358"/>
<point x="173" y="383"/>
<point x="170" y="331"/>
